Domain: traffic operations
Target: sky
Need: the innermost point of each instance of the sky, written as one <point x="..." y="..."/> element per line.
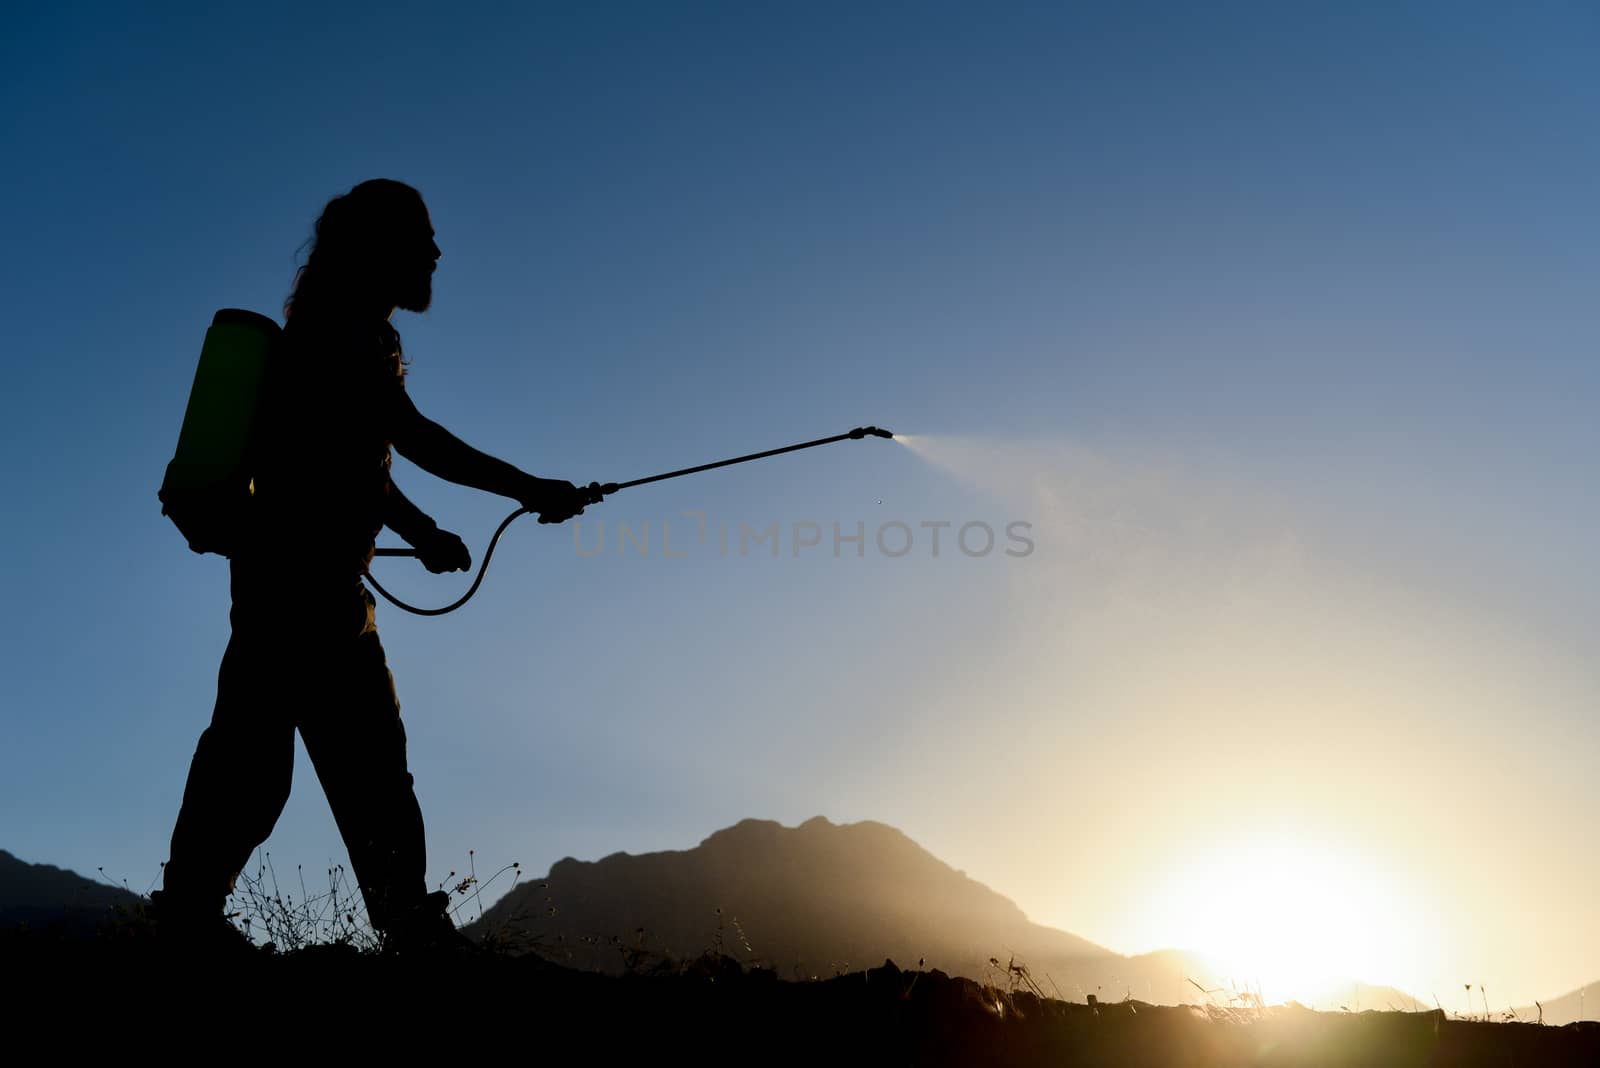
<point x="1271" y="324"/>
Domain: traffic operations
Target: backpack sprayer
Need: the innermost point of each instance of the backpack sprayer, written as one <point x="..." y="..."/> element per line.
<point x="208" y="484"/>
<point x="208" y="487"/>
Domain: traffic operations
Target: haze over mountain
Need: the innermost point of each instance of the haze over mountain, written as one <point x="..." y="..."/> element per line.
<point x="1582" y="1004"/>
<point x="812" y="899"/>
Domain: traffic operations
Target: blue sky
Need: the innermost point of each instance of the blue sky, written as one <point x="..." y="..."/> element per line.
<point x="1291" y="307"/>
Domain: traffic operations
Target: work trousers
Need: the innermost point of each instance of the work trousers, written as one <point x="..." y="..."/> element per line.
<point x="304" y="655"/>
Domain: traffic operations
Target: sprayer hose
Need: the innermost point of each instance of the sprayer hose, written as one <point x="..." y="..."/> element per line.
<point x="595" y="493"/>
<point x="483" y="569"/>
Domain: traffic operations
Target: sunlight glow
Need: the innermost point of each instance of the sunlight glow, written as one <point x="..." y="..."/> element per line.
<point x="1288" y="916"/>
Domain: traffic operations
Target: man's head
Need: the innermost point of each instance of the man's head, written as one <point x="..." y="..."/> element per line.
<point x="372" y="248"/>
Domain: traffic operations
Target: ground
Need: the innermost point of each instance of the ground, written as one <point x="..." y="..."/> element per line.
<point x="115" y="993"/>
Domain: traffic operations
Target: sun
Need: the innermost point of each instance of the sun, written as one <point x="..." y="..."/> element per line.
<point x="1285" y="915"/>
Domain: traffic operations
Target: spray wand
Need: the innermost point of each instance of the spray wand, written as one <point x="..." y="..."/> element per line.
<point x="594" y="493"/>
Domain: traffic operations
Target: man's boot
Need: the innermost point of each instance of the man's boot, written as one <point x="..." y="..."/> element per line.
<point x="426" y="930"/>
<point x="190" y="926"/>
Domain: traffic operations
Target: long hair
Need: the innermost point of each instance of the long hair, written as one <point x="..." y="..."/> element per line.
<point x="346" y="245"/>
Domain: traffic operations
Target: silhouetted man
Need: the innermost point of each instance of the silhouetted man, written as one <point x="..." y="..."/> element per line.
<point x="304" y="653"/>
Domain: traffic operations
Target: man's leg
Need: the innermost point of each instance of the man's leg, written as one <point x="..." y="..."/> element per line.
<point x="357" y="743"/>
<point x="238" y="784"/>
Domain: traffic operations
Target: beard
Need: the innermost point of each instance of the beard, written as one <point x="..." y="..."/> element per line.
<point x="417" y="295"/>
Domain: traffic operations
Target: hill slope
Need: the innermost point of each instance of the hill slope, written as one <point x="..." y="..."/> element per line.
<point x="817" y="896"/>
<point x="1582" y="1004"/>
<point x="824" y="898"/>
<point x="39" y="894"/>
<point x="711" y="1013"/>
<point x="806" y="901"/>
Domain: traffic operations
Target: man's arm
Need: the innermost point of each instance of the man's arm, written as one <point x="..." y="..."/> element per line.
<point x="439" y="452"/>
<point x="439" y="550"/>
<point x="406" y="519"/>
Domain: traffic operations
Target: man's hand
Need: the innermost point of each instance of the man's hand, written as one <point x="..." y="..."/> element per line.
<point x="442" y="551"/>
<point x="555" y="501"/>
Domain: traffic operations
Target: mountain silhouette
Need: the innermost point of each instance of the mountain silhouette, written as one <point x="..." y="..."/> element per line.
<point x="1582" y="1004"/>
<point x="46" y="897"/>
<point x="824" y="898"/>
<point x="812" y="900"/>
<point x="808" y="900"/>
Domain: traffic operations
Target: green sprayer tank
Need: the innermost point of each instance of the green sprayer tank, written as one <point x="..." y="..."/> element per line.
<point x="208" y="484"/>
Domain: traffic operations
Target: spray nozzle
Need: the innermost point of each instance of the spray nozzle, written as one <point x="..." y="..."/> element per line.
<point x="594" y="492"/>
<point x="862" y="431"/>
